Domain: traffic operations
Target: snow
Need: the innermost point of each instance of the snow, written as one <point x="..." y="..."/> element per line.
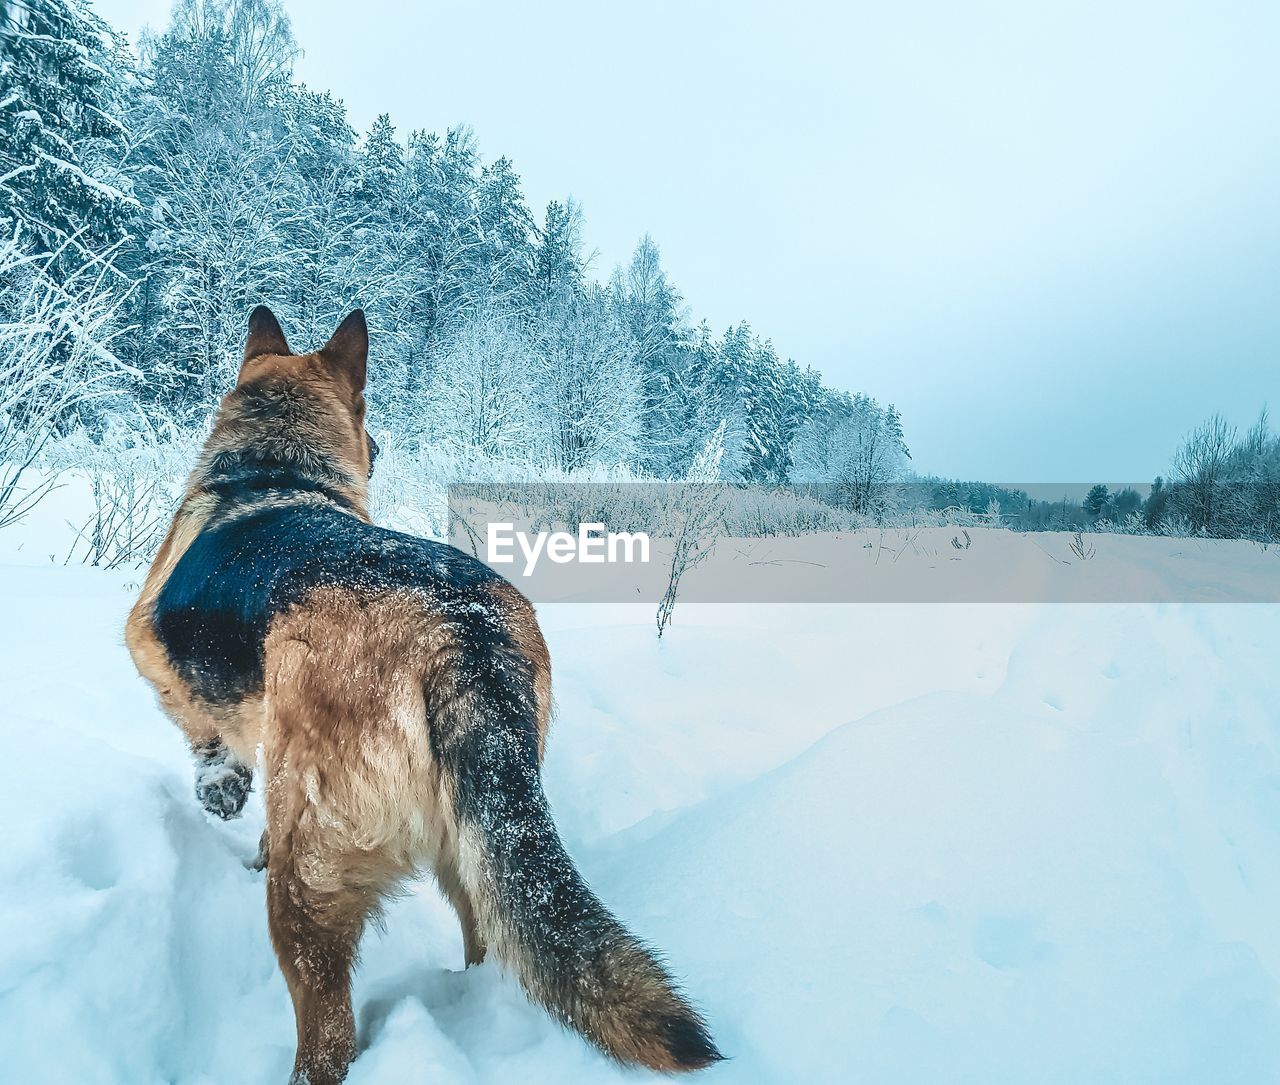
<point x="105" y="191"/>
<point x="880" y="843"/>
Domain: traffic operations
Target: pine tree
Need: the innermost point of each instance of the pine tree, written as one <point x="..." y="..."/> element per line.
<point x="1156" y="506"/>
<point x="1096" y="500"/>
<point x="508" y="231"/>
<point x="443" y="177"/>
<point x="64" y="81"/>
<point x="558" y="265"/>
<point x="319" y="141"/>
<point x="381" y="165"/>
<point x="649" y="307"/>
<point x="749" y="372"/>
<point x="893" y="429"/>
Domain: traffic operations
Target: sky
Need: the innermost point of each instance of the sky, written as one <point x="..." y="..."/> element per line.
<point x="1047" y="232"/>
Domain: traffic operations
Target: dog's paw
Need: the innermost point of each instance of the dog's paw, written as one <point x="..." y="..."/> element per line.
<point x="222" y="786"/>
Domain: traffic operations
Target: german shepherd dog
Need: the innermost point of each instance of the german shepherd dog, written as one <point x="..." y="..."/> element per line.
<point x="400" y="692"/>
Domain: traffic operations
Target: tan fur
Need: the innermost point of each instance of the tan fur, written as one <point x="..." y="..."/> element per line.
<point x="354" y="802"/>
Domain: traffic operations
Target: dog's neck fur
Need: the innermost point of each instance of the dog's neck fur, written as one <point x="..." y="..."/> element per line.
<point x="243" y="470"/>
<point x="276" y="442"/>
<point x="249" y="479"/>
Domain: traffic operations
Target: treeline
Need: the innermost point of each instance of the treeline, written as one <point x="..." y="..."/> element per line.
<point x="1007" y="506"/>
<point x="1222" y="484"/>
<point x="199" y="178"/>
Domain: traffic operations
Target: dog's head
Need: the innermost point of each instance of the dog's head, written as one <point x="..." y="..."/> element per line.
<point x="303" y="412"/>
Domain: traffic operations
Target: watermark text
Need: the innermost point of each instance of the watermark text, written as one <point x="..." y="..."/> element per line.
<point x="592" y="545"/>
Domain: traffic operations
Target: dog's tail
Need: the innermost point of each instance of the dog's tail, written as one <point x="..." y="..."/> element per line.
<point x="533" y="907"/>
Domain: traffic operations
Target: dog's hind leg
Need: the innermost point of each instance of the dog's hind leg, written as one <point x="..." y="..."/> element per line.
<point x="473" y="944"/>
<point x="316" y="930"/>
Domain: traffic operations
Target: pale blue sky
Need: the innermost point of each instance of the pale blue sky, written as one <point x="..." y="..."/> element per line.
<point x="1047" y="231"/>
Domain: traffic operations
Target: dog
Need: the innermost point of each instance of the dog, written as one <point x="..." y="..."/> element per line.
<point x="400" y="692"/>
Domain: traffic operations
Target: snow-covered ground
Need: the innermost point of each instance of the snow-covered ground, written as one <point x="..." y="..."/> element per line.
<point x="881" y="843"/>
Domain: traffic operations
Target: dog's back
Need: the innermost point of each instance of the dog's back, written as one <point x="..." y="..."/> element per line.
<point x="400" y="691"/>
<point x="241" y="573"/>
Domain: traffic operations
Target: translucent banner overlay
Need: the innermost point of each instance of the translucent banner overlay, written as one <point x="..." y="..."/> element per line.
<point x="835" y="543"/>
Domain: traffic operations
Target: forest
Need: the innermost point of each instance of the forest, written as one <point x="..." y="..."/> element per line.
<point x="150" y="198"/>
<point x="150" y="201"/>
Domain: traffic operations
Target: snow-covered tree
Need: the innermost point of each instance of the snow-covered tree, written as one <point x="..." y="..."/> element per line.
<point x="850" y="447"/>
<point x="255" y="34"/>
<point x="558" y="262"/>
<point x="65" y="175"/>
<point x="482" y="400"/>
<point x="650" y="308"/>
<point x="224" y="200"/>
<point x="1097" y="500"/>
<point x="381" y="164"/>
<point x="1200" y="467"/>
<point x="56" y="360"/>
<point x="508" y="231"/>
<point x="441" y="217"/>
<point x="893" y="429"/>
<point x="749" y="373"/>
<point x="586" y="385"/>
<point x="1224" y="483"/>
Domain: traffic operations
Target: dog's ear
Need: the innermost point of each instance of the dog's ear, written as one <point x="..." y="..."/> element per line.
<point x="265" y="336"/>
<point x="348" y="351"/>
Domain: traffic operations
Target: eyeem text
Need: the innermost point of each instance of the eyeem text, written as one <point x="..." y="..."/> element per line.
<point x="592" y="545"/>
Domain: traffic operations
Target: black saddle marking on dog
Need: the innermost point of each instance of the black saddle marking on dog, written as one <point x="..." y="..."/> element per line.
<point x="214" y="611"/>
